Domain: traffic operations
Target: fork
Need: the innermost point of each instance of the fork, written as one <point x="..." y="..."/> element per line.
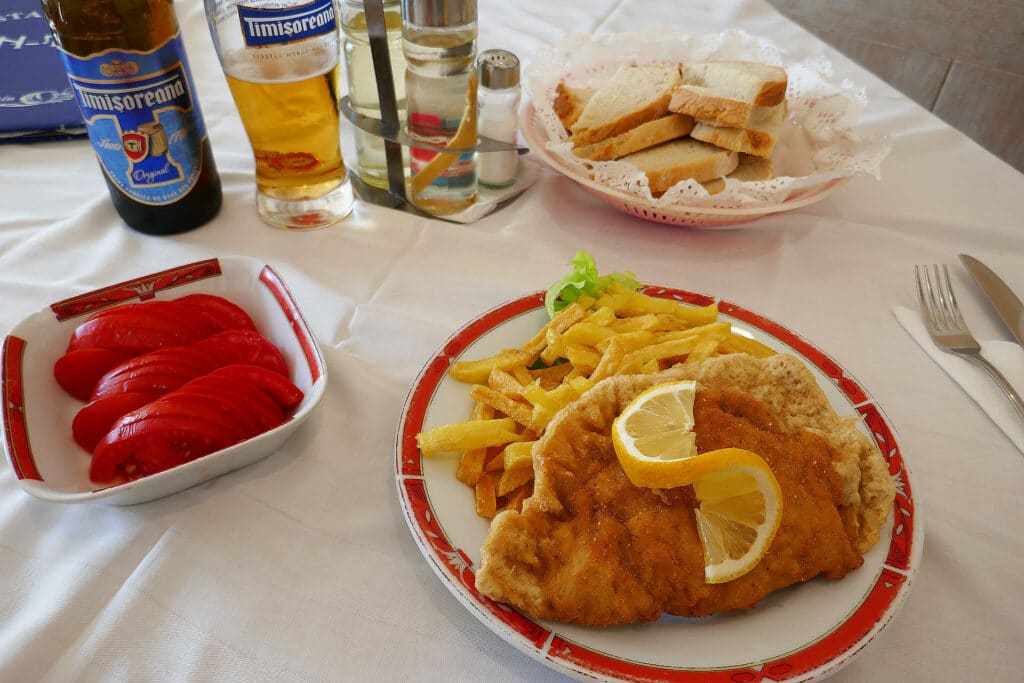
<point x="949" y="332"/>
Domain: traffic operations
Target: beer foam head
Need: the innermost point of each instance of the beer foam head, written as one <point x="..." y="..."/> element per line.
<point x="281" y="63"/>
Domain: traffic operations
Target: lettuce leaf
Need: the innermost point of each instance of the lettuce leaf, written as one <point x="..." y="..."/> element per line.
<point x="583" y="281"/>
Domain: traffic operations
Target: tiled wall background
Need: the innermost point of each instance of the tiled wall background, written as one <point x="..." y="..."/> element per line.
<point x="964" y="61"/>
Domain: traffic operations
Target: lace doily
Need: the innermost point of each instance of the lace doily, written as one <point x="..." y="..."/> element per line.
<point x="817" y="144"/>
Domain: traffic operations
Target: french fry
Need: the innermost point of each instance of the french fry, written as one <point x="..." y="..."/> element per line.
<point x="529" y="434"/>
<point x="505" y="383"/>
<point x="651" y="322"/>
<point x="665" y="350"/>
<point x="737" y="343"/>
<point x="580" y="385"/>
<point x="513" y="479"/>
<point x="518" y="411"/>
<point x="554" y="347"/>
<point x="628" y="341"/>
<point x="547" y="406"/>
<point x="650" y="367"/>
<point x="716" y="329"/>
<point x="614" y="353"/>
<point x="514" y="500"/>
<point x="684" y="344"/>
<point x="570" y="315"/>
<point x="495" y="461"/>
<point x="704" y="349"/>
<point x="635" y="303"/>
<point x="482" y="411"/>
<point x="517" y="455"/>
<point x="486" y="495"/>
<point x="465" y="436"/>
<point x="536" y="394"/>
<point x="587" y="333"/>
<point x="522" y="375"/>
<point x="552" y="376"/>
<point x="603" y="316"/>
<point x="471" y="466"/>
<point x="630" y="365"/>
<point x="583" y="358"/>
<point x="477" y="371"/>
<point x="471" y="462"/>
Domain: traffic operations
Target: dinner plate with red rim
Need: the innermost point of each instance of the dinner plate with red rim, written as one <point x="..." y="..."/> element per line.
<point x="802" y="633"/>
<point x="37" y="413"/>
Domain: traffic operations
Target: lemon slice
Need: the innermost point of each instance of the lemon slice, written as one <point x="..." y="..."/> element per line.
<point x="740" y="499"/>
<point x="654" y="435"/>
<point x="739" y="513"/>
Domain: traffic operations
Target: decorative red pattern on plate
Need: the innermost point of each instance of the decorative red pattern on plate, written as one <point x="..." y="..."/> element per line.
<point x="900" y="546"/>
<point x="140" y="288"/>
<point x="849" y="638"/>
<point x="586" y="659"/>
<point x="474" y="330"/>
<point x="691" y="298"/>
<point x="456" y="566"/>
<point x="846" y="384"/>
<point x="14" y="409"/>
<point x="837" y="647"/>
<point x="275" y="284"/>
<point x="419" y="401"/>
<point x="829" y="653"/>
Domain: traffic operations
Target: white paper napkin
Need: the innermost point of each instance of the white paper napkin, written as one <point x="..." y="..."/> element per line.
<point x="1008" y="357"/>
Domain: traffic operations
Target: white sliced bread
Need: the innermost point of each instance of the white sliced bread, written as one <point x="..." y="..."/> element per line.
<point x="643" y="136"/>
<point x="634" y="95"/>
<point x="749" y="168"/>
<point x="758" y="138"/>
<point x="726" y="93"/>
<point x="569" y="103"/>
<point x="670" y="162"/>
<point x="752" y="167"/>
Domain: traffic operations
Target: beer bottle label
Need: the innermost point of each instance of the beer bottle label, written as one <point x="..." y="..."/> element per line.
<point x="143" y="119"/>
<point x="276" y="26"/>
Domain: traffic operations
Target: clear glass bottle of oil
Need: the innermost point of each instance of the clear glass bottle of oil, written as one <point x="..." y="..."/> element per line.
<point x="439" y="42"/>
<point x="371" y="161"/>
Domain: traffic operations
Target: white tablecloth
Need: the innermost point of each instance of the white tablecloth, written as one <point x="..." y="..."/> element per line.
<point x="301" y="567"/>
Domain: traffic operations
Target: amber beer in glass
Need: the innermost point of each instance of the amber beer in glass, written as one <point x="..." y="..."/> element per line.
<point x="282" y="63"/>
<point x="127" y="68"/>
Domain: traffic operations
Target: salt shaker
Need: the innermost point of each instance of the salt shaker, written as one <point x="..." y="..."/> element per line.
<point x="498" y="111"/>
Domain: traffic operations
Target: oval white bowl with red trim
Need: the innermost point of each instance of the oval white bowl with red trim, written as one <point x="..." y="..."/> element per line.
<point x="37" y="412"/>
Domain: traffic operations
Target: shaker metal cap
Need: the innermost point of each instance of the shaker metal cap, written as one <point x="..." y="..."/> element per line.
<point x="439" y="13"/>
<point x="498" y="69"/>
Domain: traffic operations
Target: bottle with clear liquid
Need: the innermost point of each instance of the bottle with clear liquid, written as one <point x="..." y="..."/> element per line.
<point x="439" y="41"/>
<point x="362" y="83"/>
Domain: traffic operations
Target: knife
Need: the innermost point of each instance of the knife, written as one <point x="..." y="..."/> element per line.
<point x="1002" y="298"/>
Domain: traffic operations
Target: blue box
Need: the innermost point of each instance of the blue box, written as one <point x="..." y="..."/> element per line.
<point x="36" y="102"/>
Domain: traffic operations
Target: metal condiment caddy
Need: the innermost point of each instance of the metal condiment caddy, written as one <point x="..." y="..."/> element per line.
<point x="391" y="129"/>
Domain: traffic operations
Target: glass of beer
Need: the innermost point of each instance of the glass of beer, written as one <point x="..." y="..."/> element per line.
<point x="282" y="63"/>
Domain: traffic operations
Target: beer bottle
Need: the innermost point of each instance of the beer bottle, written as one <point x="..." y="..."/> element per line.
<point x="128" y="70"/>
